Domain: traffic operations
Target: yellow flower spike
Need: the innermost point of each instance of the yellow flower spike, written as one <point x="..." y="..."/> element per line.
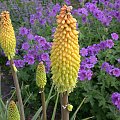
<point x="7" y="36"/>
<point x="41" y="76"/>
<point x="13" y="113"/>
<point x="65" y="58"/>
<point x="69" y="107"/>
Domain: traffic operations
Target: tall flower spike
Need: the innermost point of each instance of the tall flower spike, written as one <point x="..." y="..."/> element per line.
<point x="65" y="58"/>
<point x="7" y="36"/>
<point x="41" y="75"/>
<point x="13" y="113"/>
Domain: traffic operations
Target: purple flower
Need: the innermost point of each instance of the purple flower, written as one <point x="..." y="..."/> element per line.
<point x="116" y="99"/>
<point x="83" y="11"/>
<point x="37" y="37"/>
<point x="16" y="51"/>
<point x="55" y="9"/>
<point x="19" y="63"/>
<point x="90" y="6"/>
<point x="116" y="72"/>
<point x="25" y="46"/>
<point x="96" y="48"/>
<point x="47" y="46"/>
<point x="86" y="62"/>
<point x="67" y="2"/>
<point x="104" y="66"/>
<point x="84" y="19"/>
<point x="33" y="52"/>
<point x="45" y="56"/>
<point x="8" y="63"/>
<point x="89" y="65"/>
<point x="42" y="21"/>
<point x="110" y="43"/>
<point x="89" y="74"/>
<point x="110" y="69"/>
<point x="84" y="52"/>
<point x="38" y="14"/>
<point x="82" y="67"/>
<point x="30" y="36"/>
<point x="102" y="45"/>
<point x="114" y="36"/>
<point x="32" y="19"/>
<point x="29" y="59"/>
<point x="94" y="1"/>
<point x="91" y="50"/>
<point x="118" y="60"/>
<point x="82" y="75"/>
<point x="42" y="41"/>
<point x="53" y="29"/>
<point x="48" y="66"/>
<point x="93" y="59"/>
<point x="23" y="31"/>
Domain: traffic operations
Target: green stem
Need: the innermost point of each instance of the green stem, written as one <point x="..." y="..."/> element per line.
<point x="43" y="104"/>
<point x="88" y="118"/>
<point x="18" y="92"/>
<point x="74" y="115"/>
<point x="55" y="107"/>
<point x="64" y="105"/>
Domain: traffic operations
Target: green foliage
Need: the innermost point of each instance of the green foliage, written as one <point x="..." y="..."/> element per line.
<point x="3" y="110"/>
<point x="98" y="91"/>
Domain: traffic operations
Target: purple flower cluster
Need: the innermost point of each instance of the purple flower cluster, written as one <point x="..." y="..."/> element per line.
<point x="18" y="63"/>
<point x="81" y="12"/>
<point x="116" y="99"/>
<point x="105" y="15"/>
<point x="90" y="59"/>
<point x="35" y="48"/>
<point x="110" y="69"/>
<point x="45" y="14"/>
<point x="112" y="8"/>
<point x="95" y="48"/>
<point x="99" y="14"/>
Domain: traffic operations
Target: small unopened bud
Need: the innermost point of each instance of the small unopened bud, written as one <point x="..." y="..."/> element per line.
<point x="41" y="75"/>
<point x="13" y="113"/>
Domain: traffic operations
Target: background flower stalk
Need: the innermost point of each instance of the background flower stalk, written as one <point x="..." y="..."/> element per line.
<point x="8" y="44"/>
<point x="41" y="82"/>
<point x="7" y="35"/>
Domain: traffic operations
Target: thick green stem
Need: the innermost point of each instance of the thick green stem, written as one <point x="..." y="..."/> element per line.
<point x="18" y="92"/>
<point x="64" y="101"/>
<point x="43" y="104"/>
